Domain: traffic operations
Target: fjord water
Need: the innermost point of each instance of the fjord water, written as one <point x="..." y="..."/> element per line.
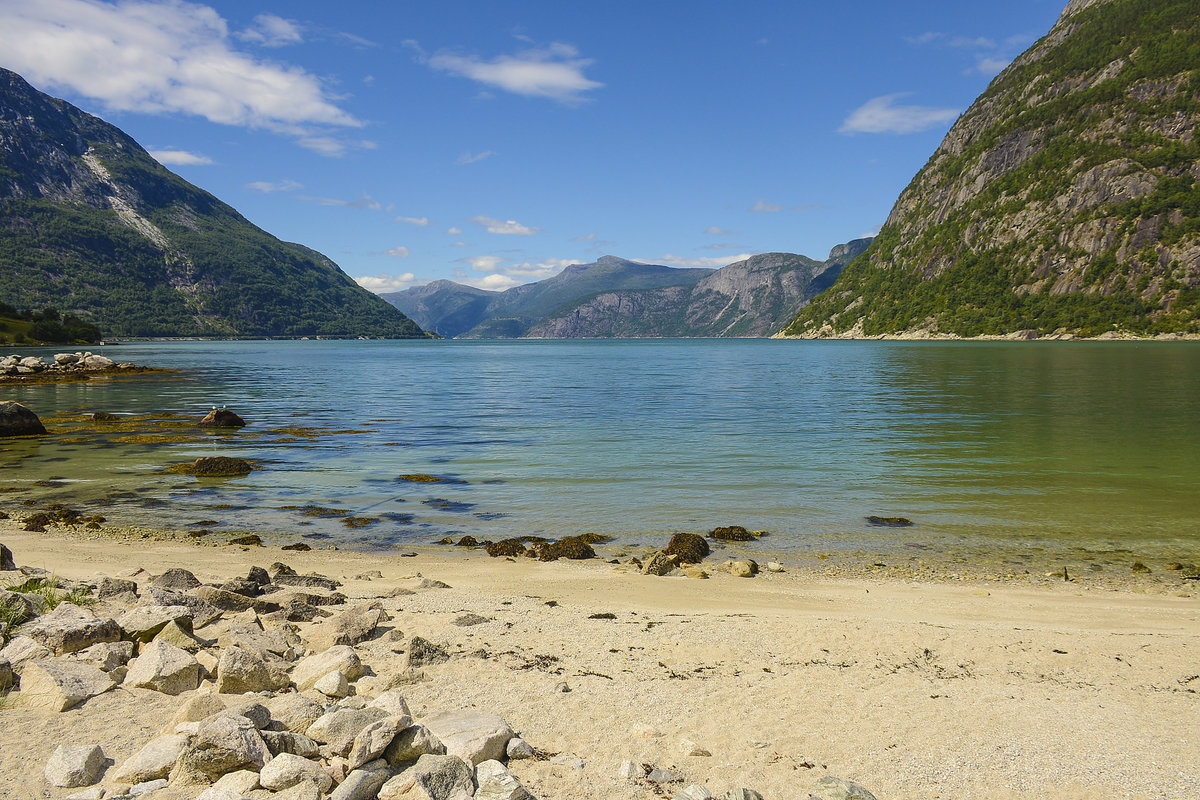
<point x="1052" y="446"/>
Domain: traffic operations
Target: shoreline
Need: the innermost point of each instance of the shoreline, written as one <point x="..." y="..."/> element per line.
<point x="914" y="689"/>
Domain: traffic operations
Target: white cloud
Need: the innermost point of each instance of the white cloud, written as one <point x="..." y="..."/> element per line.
<point x="504" y="276"/>
<point x="992" y="66"/>
<point x="507" y="228"/>
<point x="454" y="231"/>
<point x="366" y="201"/>
<point x="386" y="283"/>
<point x="587" y="238"/>
<point x="400" y="251"/>
<point x="418" y="221"/>
<point x="459" y="244"/>
<point x="482" y="263"/>
<point x="882" y="115"/>
<point x="555" y="71"/>
<point x="991" y="56"/>
<point x="715" y="231"/>
<point x="494" y="282"/>
<point x="722" y="246"/>
<point x="277" y="186"/>
<point x="471" y="158"/>
<point x="763" y="207"/>
<point x="179" y="158"/>
<point x="163" y="58"/>
<point x="272" y="31"/>
<point x="929" y="37"/>
<point x="708" y="262"/>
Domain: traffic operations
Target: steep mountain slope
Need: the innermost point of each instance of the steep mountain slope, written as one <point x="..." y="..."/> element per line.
<point x="1066" y="199"/>
<point x="452" y="309"/>
<point x="90" y="223"/>
<point x="755" y="297"/>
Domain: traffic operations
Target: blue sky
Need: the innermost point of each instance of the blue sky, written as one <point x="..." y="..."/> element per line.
<point x="495" y="143"/>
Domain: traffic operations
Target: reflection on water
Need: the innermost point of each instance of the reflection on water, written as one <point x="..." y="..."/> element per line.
<point x="1042" y="444"/>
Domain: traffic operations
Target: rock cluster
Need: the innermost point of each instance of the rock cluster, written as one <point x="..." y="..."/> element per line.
<point x="62" y="363"/>
<point x="307" y="726"/>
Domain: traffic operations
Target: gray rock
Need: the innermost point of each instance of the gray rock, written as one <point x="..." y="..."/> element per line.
<point x="164" y="668"/>
<point x="153" y="761"/>
<point x="143" y="623"/>
<point x="232" y="601"/>
<point x="69" y="628"/>
<point x="242" y="781"/>
<point x="830" y="788"/>
<point x="411" y="743"/>
<point x="107" y="656"/>
<point x="257" y="713"/>
<point x="631" y="770"/>
<point x="58" y="684"/>
<point x="304" y="790"/>
<point x="339" y="657"/>
<point x="423" y="653"/>
<point x="111" y="587"/>
<point x="213" y="793"/>
<point x="147" y="787"/>
<point x="7" y="676"/>
<point x="741" y="794"/>
<point x="350" y="627"/>
<point x="473" y="736"/>
<point x="21" y="650"/>
<point x="287" y="742"/>
<point x="240" y="671"/>
<point x="744" y="568"/>
<point x="72" y="766"/>
<point x="659" y="564"/>
<point x="333" y="685"/>
<point x="363" y="783"/>
<point x="495" y="782"/>
<point x="197" y="708"/>
<point x="338" y="728"/>
<point x="432" y="778"/>
<point x="175" y="580"/>
<point x="7" y="563"/>
<point x="392" y="701"/>
<point x="286" y="770"/>
<point x="294" y="712"/>
<point x="266" y="644"/>
<point x="173" y="633"/>
<point x="373" y="740"/>
<point x="306" y="581"/>
<point x="17" y="420"/>
<point x="202" y="613"/>
<point x="518" y="749"/>
<point x="693" y="792"/>
<point x="95" y="793"/>
<point x="224" y="743"/>
<point x="661" y="775"/>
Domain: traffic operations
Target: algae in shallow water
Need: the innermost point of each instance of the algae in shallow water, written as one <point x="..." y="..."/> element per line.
<point x="215" y="467"/>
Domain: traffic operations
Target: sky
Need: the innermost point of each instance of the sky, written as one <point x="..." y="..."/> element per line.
<point x="495" y="143"/>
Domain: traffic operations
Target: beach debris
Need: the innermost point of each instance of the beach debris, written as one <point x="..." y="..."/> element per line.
<point x="222" y="418"/>
<point x="731" y="533"/>
<point x="889" y="522"/>
<point x="831" y="788"/>
<point x="17" y="420"/>
<point x="71" y="766"/>
<point x="689" y="547"/>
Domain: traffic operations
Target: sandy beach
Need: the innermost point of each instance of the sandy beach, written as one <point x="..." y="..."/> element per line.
<point x="915" y="689"/>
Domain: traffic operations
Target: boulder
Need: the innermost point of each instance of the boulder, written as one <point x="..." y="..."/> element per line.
<point x="363" y="783"/>
<point x="232" y="601"/>
<point x="352" y="626"/>
<point x="392" y="701"/>
<point x="339" y="657"/>
<point x="256" y="712"/>
<point x="287" y="742"/>
<point x="202" y="613"/>
<point x="745" y="568"/>
<point x="222" y="418"/>
<point x="659" y="564"/>
<point x="7" y="563"/>
<point x="240" y="671"/>
<point x="196" y="708"/>
<point x="176" y="579"/>
<point x="690" y="548"/>
<point x="241" y="782"/>
<point x="411" y="743"/>
<point x="731" y="533"/>
<point x="275" y="644"/>
<point x="495" y="782"/>
<point x="294" y="712"/>
<point x="831" y="788"/>
<point x="373" y="740"/>
<point x="473" y="736"/>
<point x="111" y="587"/>
<point x="333" y="685"/>
<point x="518" y="749"/>
<point x="107" y="656"/>
<point x="143" y="623"/>
<point x="56" y="684"/>
<point x="432" y="778"/>
<point x="339" y="728"/>
<point x="164" y="668"/>
<point x="17" y="420"/>
<point x="72" y="766"/>
<point x="21" y="650"/>
<point x="224" y="743"/>
<point x="286" y="770"/>
<point x="7" y="676"/>
<point x="173" y="633"/>
<point x="153" y="761"/>
<point x="69" y="628"/>
<point x="304" y="790"/>
<point x="94" y="362"/>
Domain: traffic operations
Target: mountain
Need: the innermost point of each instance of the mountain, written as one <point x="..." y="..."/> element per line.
<point x="454" y="310"/>
<point x="755" y="297"/>
<point x="1065" y="200"/>
<point x="92" y="225"/>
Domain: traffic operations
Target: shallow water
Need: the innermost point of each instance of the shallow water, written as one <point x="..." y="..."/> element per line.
<point x="1021" y="445"/>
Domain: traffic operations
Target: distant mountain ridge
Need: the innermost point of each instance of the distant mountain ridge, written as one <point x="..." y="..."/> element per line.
<point x="614" y="297"/>
<point x="1065" y="200"/>
<point x="91" y="224"/>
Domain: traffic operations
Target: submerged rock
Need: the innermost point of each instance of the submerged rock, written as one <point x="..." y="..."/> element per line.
<point x="889" y="522"/>
<point x="222" y="418"/>
<point x="215" y="467"/>
<point x="731" y="533"/>
<point x="690" y="548"/>
<point x="573" y="547"/>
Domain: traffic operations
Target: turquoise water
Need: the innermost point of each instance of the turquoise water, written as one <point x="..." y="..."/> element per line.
<point x="1052" y="445"/>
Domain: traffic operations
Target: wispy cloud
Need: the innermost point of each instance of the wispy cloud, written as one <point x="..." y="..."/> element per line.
<point x="722" y="247"/>
<point x="420" y="222"/>
<point x="386" y="283"/>
<point x="276" y="186"/>
<point x="506" y="228"/>
<point x="713" y="262"/>
<point x="763" y="207"/>
<point x="364" y="202"/>
<point x="472" y="158"/>
<point x="715" y="231"/>
<point x="555" y="72"/>
<point x="990" y="56"/>
<point x="883" y="115"/>
<point x="166" y="58"/>
<point x="269" y="30"/>
<point x="502" y="275"/>
<point x="400" y="251"/>
<point x="179" y="158"/>
<point x="585" y="238"/>
<point x="454" y="231"/>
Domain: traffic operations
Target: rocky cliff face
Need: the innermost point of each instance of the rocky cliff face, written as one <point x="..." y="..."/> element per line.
<point x="755" y="297"/>
<point x="1064" y="200"/>
<point x="92" y="224"/>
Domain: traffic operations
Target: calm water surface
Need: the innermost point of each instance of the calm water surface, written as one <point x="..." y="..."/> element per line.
<point x="1025" y="445"/>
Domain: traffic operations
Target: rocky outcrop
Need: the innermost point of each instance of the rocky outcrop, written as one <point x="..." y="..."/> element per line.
<point x="1065" y="200"/>
<point x="17" y="420"/>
